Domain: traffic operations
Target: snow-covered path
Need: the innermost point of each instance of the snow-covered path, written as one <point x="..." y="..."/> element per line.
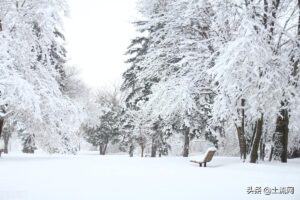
<point x="93" y="177"/>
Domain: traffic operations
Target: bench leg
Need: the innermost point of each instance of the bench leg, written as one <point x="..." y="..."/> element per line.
<point x="200" y="164"/>
<point x="205" y="164"/>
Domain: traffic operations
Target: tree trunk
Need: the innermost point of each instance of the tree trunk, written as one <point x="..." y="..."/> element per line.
<point x="1" y="123"/>
<point x="6" y="146"/>
<point x="274" y="9"/>
<point x="265" y="16"/>
<point x="262" y="148"/>
<point x="241" y="133"/>
<point x="252" y="138"/>
<point x="142" y="150"/>
<point x="131" y="148"/>
<point x="159" y="152"/>
<point x="242" y="143"/>
<point x="102" y="149"/>
<point x="105" y="147"/>
<point x="271" y="154"/>
<point x="153" y="148"/>
<point x="299" y="19"/>
<point x="281" y="136"/>
<point x="1" y="126"/>
<point x="282" y="121"/>
<point x="6" y="136"/>
<point x="256" y="141"/>
<point x="186" y="146"/>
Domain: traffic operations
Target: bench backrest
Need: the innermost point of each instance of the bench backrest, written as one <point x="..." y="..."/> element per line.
<point x="209" y="156"/>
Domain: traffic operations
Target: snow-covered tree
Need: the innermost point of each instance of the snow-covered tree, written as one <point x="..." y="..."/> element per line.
<point x="29" y="77"/>
<point x="167" y="78"/>
<point x="102" y="127"/>
<point x="252" y="72"/>
<point x="28" y="141"/>
<point x="214" y="68"/>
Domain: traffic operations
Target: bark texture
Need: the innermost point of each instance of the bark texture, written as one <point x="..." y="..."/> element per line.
<point x="256" y="141"/>
<point x="186" y="146"/>
<point x="281" y="136"/>
<point x="102" y="148"/>
<point x="153" y="148"/>
<point x="241" y="132"/>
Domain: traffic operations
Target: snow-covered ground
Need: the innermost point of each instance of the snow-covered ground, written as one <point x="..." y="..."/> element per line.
<point x="91" y="177"/>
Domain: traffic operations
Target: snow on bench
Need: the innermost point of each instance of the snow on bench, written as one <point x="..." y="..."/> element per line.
<point x="207" y="157"/>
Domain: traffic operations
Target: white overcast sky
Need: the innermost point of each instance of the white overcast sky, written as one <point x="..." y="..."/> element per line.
<point x="98" y="32"/>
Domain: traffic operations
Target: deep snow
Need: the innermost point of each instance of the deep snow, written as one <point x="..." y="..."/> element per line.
<point x="92" y="177"/>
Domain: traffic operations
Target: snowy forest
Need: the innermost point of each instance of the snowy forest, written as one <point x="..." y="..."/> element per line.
<point x="207" y="105"/>
<point x="201" y="73"/>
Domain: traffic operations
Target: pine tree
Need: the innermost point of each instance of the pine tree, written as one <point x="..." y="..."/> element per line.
<point x="105" y="128"/>
<point x="168" y="67"/>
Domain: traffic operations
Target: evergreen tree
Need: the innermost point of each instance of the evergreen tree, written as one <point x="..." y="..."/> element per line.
<point x="167" y="74"/>
<point x="105" y="128"/>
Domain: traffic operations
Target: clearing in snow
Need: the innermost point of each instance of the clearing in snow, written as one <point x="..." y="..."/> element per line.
<point x="92" y="177"/>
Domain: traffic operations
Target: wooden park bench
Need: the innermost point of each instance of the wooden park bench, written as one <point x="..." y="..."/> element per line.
<point x="207" y="157"/>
